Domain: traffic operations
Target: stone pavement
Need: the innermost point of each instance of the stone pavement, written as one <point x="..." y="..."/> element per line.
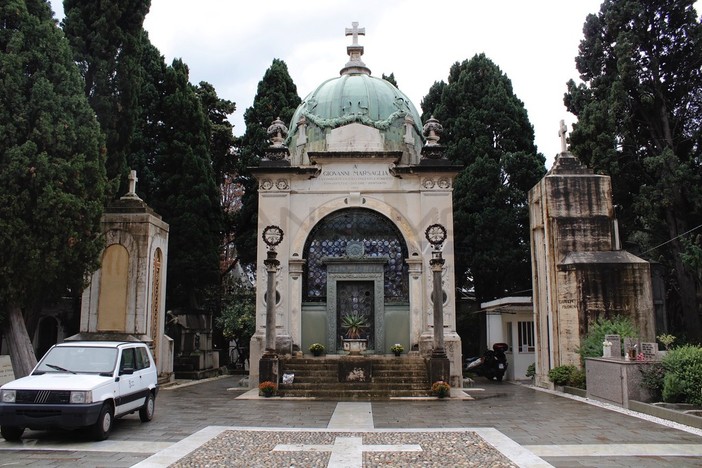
<point x="505" y="425"/>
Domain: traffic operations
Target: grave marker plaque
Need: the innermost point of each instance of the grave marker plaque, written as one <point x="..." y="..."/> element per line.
<point x="616" y="341"/>
<point x="649" y="350"/>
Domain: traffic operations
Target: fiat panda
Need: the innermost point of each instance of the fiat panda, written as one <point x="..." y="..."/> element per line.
<point x="81" y="384"/>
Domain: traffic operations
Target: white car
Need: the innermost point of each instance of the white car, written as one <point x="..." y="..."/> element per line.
<point x="80" y="384"/>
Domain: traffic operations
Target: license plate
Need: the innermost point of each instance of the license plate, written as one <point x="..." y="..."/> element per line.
<point x="500" y="366"/>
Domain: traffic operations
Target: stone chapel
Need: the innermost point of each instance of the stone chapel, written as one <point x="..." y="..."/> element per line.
<point x="353" y="187"/>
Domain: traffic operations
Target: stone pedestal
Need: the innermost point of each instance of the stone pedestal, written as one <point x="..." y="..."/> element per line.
<point x="269" y="369"/>
<point x="439" y="369"/>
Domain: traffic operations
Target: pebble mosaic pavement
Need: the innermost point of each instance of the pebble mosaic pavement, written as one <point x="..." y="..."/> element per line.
<point x="212" y="423"/>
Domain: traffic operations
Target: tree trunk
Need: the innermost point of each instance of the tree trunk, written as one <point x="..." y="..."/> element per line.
<point x="18" y="342"/>
<point x="687" y="286"/>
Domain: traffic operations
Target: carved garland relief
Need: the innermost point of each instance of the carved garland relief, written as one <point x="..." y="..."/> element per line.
<point x="280" y="184"/>
<point x="441" y="183"/>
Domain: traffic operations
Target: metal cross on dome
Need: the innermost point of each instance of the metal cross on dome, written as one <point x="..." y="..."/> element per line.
<point x="355" y="31"/>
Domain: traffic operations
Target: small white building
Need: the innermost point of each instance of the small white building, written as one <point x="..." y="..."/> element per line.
<point x="511" y="320"/>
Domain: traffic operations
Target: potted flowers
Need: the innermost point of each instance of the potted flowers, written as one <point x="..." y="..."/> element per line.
<point x="267" y="388"/>
<point x="317" y="349"/>
<point x="441" y="389"/>
<point x="397" y="349"/>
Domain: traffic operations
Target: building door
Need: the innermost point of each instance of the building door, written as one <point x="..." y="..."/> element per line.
<point x="355" y="298"/>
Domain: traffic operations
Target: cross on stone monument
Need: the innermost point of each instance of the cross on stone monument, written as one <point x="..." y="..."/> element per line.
<point x="131" y="192"/>
<point x="347" y="451"/>
<point x="132" y="181"/>
<point x="355" y="31"/>
<point x="562" y="133"/>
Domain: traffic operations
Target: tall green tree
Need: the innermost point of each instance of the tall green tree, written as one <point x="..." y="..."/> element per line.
<point x="185" y="191"/>
<point x="52" y="170"/>
<point x="221" y="137"/>
<point x="487" y="130"/>
<point x="106" y="38"/>
<point x="276" y="96"/>
<point x="639" y="109"/>
<point x="145" y="143"/>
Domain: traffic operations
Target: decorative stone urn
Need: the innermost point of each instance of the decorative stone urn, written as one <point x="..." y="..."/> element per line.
<point x="355" y="346"/>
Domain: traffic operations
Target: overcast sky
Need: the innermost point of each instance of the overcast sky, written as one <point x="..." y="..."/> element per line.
<point x="231" y="44"/>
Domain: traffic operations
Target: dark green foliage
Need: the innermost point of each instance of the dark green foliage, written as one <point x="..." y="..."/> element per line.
<point x="673" y="389"/>
<point x="486" y="129"/>
<point x="221" y="137"/>
<point x="531" y="370"/>
<point x="562" y="375"/>
<point x="652" y="380"/>
<point x="577" y="379"/>
<point x="106" y="38"/>
<point x="52" y="168"/>
<point x="683" y="375"/>
<point x="145" y="147"/>
<point x="186" y="194"/>
<point x="639" y="112"/>
<point x="390" y="79"/>
<point x="591" y="343"/>
<point x="276" y="96"/>
<point x="238" y="314"/>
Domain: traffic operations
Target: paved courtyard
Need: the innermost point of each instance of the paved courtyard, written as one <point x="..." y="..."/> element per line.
<point x="209" y="424"/>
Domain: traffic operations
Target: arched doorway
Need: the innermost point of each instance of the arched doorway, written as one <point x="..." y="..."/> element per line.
<point x="355" y="264"/>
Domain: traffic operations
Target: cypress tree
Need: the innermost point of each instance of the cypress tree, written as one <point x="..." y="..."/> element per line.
<point x="106" y="38"/>
<point x="52" y="170"/>
<point x="186" y="193"/>
<point x="276" y="96"/>
<point x="486" y="129"/>
<point x="639" y="110"/>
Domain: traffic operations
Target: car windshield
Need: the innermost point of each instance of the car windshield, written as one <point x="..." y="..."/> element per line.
<point x="76" y="359"/>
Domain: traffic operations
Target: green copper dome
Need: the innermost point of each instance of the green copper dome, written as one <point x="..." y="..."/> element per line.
<point x="388" y="118"/>
<point x="356" y="98"/>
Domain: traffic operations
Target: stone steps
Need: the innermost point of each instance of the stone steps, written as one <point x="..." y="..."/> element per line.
<point x="381" y="377"/>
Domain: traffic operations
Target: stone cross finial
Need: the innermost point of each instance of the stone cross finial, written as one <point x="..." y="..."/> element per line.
<point x="562" y="133"/>
<point x="355" y="31"/>
<point x="132" y="182"/>
<point x="131" y="192"/>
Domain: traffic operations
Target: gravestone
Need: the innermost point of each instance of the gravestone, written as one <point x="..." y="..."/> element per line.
<point x="616" y="341"/>
<point x="6" y="374"/>
<point x="649" y="350"/>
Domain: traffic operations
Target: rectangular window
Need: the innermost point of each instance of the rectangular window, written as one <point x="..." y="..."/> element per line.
<point x="526" y="337"/>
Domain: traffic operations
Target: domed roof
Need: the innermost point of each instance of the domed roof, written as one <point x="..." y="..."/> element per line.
<point x="356" y="97"/>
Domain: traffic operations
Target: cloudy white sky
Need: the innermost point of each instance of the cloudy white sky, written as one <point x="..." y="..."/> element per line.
<point x="231" y="44"/>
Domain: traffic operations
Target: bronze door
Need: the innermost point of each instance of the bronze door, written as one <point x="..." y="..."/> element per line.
<point x="355" y="298"/>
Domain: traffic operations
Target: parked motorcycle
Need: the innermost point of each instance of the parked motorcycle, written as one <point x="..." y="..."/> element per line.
<point x="492" y="365"/>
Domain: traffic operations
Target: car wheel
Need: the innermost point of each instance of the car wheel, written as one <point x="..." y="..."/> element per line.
<point x="103" y="425"/>
<point x="12" y="433"/>
<point x="146" y="412"/>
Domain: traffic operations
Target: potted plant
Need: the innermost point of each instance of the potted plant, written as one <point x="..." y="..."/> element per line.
<point x="317" y="349"/>
<point x="267" y="388"/>
<point x="397" y="349"/>
<point x="354" y="325"/>
<point x="441" y="389"/>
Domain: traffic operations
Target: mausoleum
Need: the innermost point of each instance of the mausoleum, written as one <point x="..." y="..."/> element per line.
<point x="352" y="188"/>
